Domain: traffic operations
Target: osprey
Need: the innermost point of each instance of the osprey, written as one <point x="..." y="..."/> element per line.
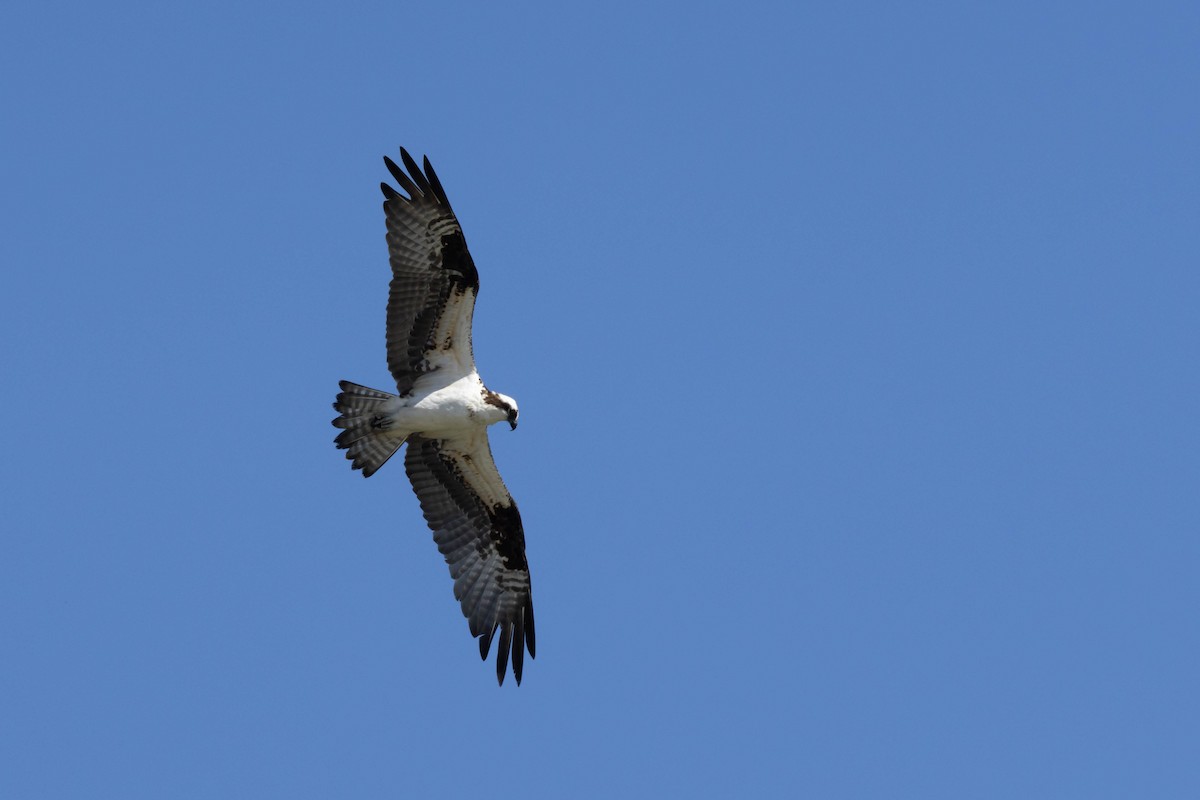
<point x="442" y="411"/>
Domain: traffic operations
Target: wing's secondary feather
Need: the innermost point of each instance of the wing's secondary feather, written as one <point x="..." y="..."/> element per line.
<point x="478" y="530"/>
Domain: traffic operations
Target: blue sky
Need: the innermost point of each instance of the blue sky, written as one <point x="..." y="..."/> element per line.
<point x="856" y="353"/>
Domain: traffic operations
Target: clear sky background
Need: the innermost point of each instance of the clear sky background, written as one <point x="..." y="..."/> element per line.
<point x="856" y="348"/>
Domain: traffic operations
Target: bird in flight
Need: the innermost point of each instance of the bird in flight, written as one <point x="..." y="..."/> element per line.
<point x="442" y="411"/>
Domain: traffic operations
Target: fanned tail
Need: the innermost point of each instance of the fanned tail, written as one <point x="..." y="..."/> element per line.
<point x="365" y="437"/>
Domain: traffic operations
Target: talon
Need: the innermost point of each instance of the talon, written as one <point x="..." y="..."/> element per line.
<point x="380" y="422"/>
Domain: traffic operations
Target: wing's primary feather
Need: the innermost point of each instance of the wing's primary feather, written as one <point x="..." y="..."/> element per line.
<point x="431" y="298"/>
<point x="478" y="529"/>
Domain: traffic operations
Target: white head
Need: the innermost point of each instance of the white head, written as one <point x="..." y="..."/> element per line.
<point x="505" y="404"/>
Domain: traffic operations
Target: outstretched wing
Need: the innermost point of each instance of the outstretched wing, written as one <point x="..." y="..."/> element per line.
<point x="478" y="529"/>
<point x="434" y="282"/>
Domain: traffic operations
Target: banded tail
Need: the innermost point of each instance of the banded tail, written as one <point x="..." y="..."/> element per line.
<point x="365" y="437"/>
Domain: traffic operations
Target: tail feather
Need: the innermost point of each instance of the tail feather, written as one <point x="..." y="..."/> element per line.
<point x="367" y="445"/>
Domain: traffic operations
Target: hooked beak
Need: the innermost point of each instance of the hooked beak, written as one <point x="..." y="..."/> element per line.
<point x="513" y="423"/>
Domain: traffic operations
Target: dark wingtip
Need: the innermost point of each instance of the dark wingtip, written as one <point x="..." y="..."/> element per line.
<point x="506" y="637"/>
<point x="530" y="642"/>
<point x="388" y="191"/>
<point x="485" y="643"/>
<point x="397" y="173"/>
<point x="518" y="647"/>
<point x="415" y="173"/>
<point x="438" y="191"/>
<point x="402" y="178"/>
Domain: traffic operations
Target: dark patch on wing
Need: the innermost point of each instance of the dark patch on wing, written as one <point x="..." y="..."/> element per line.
<point x="431" y="268"/>
<point x="509" y="536"/>
<point x="457" y="261"/>
<point x="483" y="546"/>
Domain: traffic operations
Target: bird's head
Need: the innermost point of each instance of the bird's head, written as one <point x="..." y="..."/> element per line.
<point x="513" y="411"/>
<point x="506" y="405"/>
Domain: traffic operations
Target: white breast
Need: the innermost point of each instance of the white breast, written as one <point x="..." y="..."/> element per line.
<point x="449" y="410"/>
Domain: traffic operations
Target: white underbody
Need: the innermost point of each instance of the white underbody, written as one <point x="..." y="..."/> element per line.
<point x="444" y="411"/>
<point x="455" y="413"/>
